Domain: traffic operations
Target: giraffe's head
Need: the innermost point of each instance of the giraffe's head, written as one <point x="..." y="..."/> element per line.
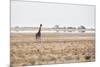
<point x="40" y="25"/>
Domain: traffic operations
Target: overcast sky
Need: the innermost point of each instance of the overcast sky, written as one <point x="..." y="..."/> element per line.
<point x="32" y="14"/>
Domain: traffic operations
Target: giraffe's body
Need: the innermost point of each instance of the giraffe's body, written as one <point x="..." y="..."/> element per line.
<point x="38" y="34"/>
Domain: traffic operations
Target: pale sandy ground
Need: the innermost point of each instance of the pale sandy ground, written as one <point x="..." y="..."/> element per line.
<point x="53" y="48"/>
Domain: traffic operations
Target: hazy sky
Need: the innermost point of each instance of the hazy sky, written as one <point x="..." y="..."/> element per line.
<point x="50" y="14"/>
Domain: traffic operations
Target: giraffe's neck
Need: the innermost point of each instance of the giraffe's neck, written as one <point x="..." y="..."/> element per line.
<point x="39" y="30"/>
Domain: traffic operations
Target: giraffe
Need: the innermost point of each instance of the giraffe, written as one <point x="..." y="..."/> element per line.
<point x="38" y="34"/>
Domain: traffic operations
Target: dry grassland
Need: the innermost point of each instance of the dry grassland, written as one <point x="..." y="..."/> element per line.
<point x="53" y="48"/>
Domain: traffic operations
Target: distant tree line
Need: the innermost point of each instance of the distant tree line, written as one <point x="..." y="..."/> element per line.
<point x="81" y="28"/>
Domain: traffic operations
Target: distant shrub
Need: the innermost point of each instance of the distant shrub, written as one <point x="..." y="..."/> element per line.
<point x="70" y="28"/>
<point x="82" y="28"/>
